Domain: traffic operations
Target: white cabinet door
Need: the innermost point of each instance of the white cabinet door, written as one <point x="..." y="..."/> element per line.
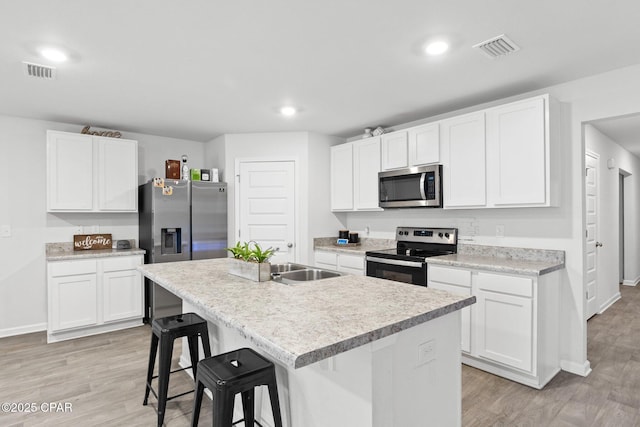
<point x="463" y="142"/>
<point x="365" y="173"/>
<point x="424" y="144"/>
<point x="73" y="301"/>
<point x="465" y="312"/>
<point x="117" y="174"/>
<point x="458" y="282"/>
<point x="517" y="154"/>
<point x="351" y="264"/>
<point x="122" y="295"/>
<point x="394" y="150"/>
<point x="69" y="172"/>
<point x="342" y="177"/>
<point x="326" y="260"/>
<point x="504" y="329"/>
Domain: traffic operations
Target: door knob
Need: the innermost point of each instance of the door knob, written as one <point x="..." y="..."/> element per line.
<point x="598" y="244"/>
<point x="289" y="245"/>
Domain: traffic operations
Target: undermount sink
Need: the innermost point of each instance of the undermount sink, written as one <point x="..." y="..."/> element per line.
<point x="295" y="273"/>
<point x="289" y="266"/>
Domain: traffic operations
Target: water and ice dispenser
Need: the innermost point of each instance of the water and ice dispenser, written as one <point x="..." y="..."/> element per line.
<point x="171" y="241"/>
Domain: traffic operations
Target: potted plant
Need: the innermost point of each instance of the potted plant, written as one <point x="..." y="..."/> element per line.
<point x="251" y="261"/>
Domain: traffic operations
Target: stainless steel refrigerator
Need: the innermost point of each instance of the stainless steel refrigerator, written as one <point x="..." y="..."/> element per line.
<point x="180" y="221"/>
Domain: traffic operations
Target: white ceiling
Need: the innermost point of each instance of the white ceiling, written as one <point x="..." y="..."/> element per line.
<point x="623" y="130"/>
<point x="199" y="68"/>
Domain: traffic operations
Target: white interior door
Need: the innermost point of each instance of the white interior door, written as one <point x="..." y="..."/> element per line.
<point x="591" y="204"/>
<point x="266" y="204"/>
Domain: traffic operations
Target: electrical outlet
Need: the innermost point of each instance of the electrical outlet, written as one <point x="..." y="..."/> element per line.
<point x="426" y="352"/>
<point x="5" y="231"/>
<point x="499" y="230"/>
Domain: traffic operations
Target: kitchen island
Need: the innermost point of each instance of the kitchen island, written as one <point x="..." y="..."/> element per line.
<point x="349" y="351"/>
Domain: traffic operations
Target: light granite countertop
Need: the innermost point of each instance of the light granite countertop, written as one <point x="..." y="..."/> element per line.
<point x="308" y="322"/>
<point x="534" y="262"/>
<point x="366" y="244"/>
<point x="64" y="251"/>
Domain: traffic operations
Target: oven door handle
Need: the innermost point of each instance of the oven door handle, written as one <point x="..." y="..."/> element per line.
<point x="400" y="262"/>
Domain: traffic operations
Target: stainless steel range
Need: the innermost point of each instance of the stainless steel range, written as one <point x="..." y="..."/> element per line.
<point x="408" y="261"/>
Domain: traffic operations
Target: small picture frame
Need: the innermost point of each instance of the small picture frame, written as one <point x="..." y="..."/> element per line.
<point x="172" y="169"/>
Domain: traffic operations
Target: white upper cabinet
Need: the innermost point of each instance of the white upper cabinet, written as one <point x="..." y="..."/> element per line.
<point x="394" y="150"/>
<point x="91" y="174"/>
<point x="117" y="174"/>
<point x="463" y="142"/>
<point x="366" y="168"/>
<point x="354" y="175"/>
<point x="424" y="144"/>
<point x="415" y="146"/>
<point x="518" y="154"/>
<point x="69" y="172"/>
<point x="342" y="177"/>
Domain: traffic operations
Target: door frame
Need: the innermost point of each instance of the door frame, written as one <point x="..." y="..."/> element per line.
<point x="596" y="156"/>
<point x="300" y="239"/>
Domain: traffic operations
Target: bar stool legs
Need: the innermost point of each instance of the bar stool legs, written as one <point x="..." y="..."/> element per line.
<point x="165" y="331"/>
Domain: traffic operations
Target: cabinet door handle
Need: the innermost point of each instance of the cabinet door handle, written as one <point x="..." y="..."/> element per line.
<point x="598" y="244"/>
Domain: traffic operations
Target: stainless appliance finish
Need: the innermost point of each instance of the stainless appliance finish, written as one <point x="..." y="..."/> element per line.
<point x="208" y="220"/>
<point x="189" y="221"/>
<point x="407" y="262"/>
<point x="419" y="186"/>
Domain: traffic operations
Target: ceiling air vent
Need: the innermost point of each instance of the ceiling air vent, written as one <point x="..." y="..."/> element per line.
<point x="39" y="71"/>
<point x="497" y="46"/>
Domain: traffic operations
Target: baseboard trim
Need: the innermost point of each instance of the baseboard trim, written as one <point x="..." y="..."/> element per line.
<point x="631" y="282"/>
<point x="21" y="330"/>
<point x="582" y="369"/>
<point x="610" y="302"/>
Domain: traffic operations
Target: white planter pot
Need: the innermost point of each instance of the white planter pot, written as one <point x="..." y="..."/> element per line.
<point x="250" y="270"/>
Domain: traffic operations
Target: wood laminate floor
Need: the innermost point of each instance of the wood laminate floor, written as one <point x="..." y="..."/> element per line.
<point x="103" y="377"/>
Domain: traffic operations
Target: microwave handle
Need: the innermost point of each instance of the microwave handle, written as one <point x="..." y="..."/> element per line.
<point x="423" y="177"/>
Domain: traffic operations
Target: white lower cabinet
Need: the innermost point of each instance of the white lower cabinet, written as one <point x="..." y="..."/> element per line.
<point x="505" y="322"/>
<point x="87" y="297"/>
<point x="457" y="282"/>
<point x="344" y="263"/>
<point x="73" y="302"/>
<point x="121" y="289"/>
<point x="513" y="325"/>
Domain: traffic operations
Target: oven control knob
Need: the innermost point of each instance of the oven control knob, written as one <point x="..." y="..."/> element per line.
<point x="446" y="235"/>
<point x="440" y="235"/>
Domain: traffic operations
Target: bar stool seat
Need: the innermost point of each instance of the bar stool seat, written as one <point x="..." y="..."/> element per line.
<point x="228" y="374"/>
<point x="165" y="331"/>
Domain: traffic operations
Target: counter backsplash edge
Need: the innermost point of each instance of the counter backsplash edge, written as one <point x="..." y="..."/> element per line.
<point x="523" y="254"/>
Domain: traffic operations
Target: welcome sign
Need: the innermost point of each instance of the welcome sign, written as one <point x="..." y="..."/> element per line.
<point x="87" y="242"/>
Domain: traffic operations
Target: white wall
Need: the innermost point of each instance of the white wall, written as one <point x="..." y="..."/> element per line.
<point x="608" y="214"/>
<point x="322" y="223"/>
<point x="22" y="256"/>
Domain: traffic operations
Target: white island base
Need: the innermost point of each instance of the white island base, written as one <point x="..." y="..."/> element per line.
<point x="410" y="378"/>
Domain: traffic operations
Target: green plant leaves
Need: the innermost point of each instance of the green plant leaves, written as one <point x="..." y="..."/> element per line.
<point x="245" y="252"/>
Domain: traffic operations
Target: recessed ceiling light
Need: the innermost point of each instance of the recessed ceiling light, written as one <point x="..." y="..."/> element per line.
<point x="437" y="48"/>
<point x="52" y="54"/>
<point x="288" y="111"/>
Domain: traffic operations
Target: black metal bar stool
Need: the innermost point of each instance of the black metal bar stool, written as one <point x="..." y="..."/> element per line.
<point x="228" y="374"/>
<point x="165" y="331"/>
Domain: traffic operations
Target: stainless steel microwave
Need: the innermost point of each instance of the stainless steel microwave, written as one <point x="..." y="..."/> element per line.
<point x="419" y="186"/>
